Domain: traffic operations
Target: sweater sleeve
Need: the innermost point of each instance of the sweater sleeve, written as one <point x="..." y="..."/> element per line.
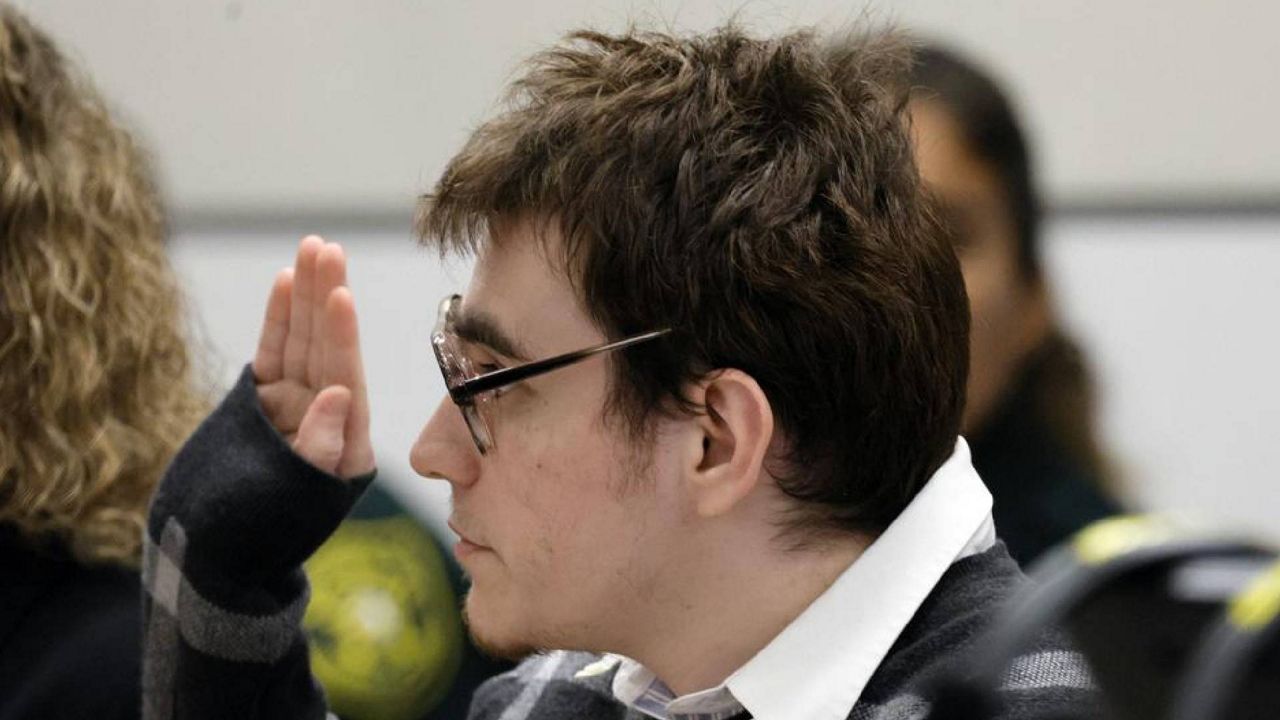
<point x="235" y="515"/>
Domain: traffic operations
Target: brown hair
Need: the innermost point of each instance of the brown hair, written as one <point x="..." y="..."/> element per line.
<point x="759" y="197"/>
<point x="95" y="379"/>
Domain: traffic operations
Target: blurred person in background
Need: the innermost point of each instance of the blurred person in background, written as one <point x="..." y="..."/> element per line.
<point x="97" y="388"/>
<point x="1029" y="414"/>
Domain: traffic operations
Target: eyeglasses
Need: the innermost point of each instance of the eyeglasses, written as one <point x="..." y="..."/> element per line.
<point x="474" y="393"/>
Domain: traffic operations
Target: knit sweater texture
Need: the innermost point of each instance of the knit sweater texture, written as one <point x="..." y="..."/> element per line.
<point x="1049" y="680"/>
<point x="238" y="512"/>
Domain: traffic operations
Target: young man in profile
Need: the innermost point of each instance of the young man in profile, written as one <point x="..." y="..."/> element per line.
<point x="705" y="386"/>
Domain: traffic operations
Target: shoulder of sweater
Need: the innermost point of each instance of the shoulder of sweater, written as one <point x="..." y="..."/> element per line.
<point x="963" y="604"/>
<point x="1047" y="678"/>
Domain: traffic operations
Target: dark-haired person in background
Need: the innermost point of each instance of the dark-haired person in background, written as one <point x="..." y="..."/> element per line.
<point x="1029" y="413"/>
<point x="705" y="390"/>
<point x="97" y="389"/>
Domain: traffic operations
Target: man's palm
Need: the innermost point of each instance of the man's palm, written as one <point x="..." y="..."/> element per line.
<point x="308" y="366"/>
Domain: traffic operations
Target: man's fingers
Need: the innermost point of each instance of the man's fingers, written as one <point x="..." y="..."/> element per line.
<point x="321" y="437"/>
<point x="298" y="344"/>
<point x="343" y="365"/>
<point x="331" y="272"/>
<point x="310" y="340"/>
<point x="268" y="364"/>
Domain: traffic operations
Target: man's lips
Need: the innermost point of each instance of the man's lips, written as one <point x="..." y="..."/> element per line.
<point x="465" y="544"/>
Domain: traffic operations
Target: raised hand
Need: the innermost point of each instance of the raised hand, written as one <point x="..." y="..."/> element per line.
<point x="308" y="366"/>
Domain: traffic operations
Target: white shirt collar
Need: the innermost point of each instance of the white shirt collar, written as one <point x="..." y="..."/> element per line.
<point x="817" y="667"/>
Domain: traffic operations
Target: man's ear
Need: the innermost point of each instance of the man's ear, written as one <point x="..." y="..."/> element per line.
<point x="729" y="442"/>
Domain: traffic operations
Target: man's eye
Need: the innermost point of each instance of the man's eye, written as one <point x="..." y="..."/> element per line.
<point x="486" y="368"/>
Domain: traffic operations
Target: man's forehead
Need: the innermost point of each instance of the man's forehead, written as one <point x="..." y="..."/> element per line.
<point x="513" y="278"/>
<point x="515" y="292"/>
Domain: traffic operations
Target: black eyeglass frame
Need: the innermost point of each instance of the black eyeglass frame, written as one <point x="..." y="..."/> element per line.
<point x="466" y="386"/>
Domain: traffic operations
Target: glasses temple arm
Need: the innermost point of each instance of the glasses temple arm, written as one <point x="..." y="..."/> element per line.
<point x="512" y="375"/>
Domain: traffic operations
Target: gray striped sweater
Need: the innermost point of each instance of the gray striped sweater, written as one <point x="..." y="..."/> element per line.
<point x="1048" y="681"/>
<point x="238" y="512"/>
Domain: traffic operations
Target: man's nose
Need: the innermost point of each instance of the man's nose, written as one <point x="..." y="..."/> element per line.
<point x="444" y="449"/>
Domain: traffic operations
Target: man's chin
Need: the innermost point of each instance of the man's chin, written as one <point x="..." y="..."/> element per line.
<point x="491" y="640"/>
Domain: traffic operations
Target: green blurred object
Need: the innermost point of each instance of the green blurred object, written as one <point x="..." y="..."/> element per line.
<point x="385" y="629"/>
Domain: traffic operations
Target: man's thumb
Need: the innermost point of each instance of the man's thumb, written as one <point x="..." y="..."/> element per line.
<point x="320" y="436"/>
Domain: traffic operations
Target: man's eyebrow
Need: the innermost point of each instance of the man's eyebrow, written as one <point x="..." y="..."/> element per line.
<point x="482" y="329"/>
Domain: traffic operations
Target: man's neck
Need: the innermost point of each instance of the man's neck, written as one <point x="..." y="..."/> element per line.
<point x="747" y="595"/>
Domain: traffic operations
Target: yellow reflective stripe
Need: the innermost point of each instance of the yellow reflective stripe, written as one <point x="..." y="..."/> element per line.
<point x="1110" y="538"/>
<point x="1258" y="603"/>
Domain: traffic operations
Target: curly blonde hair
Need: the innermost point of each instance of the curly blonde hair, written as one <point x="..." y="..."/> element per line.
<point x="96" y="384"/>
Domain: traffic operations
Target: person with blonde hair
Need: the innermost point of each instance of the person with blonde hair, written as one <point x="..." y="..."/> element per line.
<point x="97" y="385"/>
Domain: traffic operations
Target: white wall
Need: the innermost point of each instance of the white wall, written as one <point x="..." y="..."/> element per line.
<point x="1178" y="316"/>
<point x="316" y="104"/>
<point x="342" y="112"/>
